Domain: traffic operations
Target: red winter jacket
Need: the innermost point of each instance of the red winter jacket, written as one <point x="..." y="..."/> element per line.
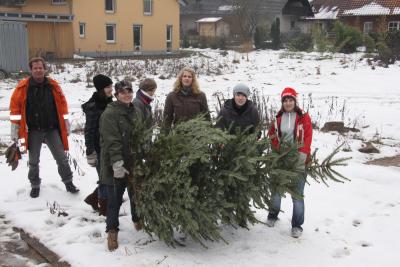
<point x="302" y="131"/>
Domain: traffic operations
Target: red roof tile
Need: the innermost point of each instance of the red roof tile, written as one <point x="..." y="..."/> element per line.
<point x="361" y="7"/>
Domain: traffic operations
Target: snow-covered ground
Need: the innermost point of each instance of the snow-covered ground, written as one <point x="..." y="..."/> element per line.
<point x="351" y="224"/>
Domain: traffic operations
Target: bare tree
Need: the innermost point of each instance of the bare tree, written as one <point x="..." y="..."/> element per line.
<point x="247" y="16"/>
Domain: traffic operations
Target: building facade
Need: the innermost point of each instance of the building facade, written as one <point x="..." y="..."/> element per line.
<point x="61" y="28"/>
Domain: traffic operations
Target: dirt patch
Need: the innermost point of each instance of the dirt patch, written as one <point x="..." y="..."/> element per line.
<point x="387" y="161"/>
<point x="337" y="126"/>
<point x="18" y="248"/>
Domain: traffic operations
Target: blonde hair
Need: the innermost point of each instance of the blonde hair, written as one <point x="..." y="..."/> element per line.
<point x="178" y="83"/>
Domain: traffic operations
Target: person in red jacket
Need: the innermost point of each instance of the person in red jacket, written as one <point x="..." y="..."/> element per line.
<point x="291" y="125"/>
<point x="39" y="114"/>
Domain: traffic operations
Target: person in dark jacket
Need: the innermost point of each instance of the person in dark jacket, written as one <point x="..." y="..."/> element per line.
<point x="143" y="99"/>
<point x="186" y="101"/>
<point x="93" y="109"/>
<point x="239" y="112"/>
<point x="116" y="124"/>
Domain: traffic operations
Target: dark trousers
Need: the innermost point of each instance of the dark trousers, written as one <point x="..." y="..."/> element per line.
<point x="101" y="188"/>
<point x="53" y="140"/>
<point x="115" y="193"/>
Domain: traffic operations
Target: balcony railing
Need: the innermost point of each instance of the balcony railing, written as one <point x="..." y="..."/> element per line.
<point x="14" y="16"/>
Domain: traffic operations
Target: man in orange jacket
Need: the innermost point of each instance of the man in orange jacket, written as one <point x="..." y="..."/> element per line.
<point x="39" y="114"/>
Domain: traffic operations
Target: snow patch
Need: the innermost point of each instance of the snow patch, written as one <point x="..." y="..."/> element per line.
<point x="326" y="12"/>
<point x="370" y="9"/>
<point x="209" y="19"/>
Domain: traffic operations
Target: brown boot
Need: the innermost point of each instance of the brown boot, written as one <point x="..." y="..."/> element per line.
<point x="138" y="225"/>
<point x="92" y="200"/>
<point x="112" y="240"/>
<point x="103" y="206"/>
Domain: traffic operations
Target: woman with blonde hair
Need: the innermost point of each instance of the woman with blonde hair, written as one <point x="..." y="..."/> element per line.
<point x="186" y="101"/>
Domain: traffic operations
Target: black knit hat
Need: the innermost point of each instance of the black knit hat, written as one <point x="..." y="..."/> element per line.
<point x="101" y="81"/>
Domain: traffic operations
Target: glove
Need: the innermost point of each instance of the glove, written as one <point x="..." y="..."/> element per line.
<point x="68" y="126"/>
<point x="119" y="170"/>
<point x="13" y="155"/>
<point x="14" y="132"/>
<point x="92" y="159"/>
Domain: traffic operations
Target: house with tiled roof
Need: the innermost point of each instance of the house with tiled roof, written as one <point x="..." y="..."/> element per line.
<point x="366" y="15"/>
<point x="289" y="13"/>
<point x="372" y="16"/>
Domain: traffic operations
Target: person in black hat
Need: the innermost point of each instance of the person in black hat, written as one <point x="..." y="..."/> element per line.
<point x="93" y="109"/>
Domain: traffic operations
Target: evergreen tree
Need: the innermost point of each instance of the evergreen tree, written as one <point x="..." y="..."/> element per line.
<point x="195" y="177"/>
<point x="276" y="34"/>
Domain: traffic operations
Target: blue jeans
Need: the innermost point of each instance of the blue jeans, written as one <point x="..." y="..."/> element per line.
<point x="115" y="193"/>
<point x="298" y="204"/>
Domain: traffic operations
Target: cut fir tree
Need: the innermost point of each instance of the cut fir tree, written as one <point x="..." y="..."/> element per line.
<point x="196" y="177"/>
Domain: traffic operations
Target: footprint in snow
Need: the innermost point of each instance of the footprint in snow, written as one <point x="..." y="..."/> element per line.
<point x="356" y="222"/>
<point x="272" y="251"/>
<point x="365" y="244"/>
<point x="21" y="192"/>
<point x="390" y="205"/>
<point x="328" y="222"/>
<point x="341" y="252"/>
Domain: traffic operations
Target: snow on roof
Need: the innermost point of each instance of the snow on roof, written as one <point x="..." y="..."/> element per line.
<point x="326" y="12"/>
<point x="225" y="8"/>
<point x="396" y="11"/>
<point x="209" y="19"/>
<point x="369" y="9"/>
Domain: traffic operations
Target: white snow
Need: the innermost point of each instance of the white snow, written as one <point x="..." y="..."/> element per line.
<point x="326" y="12"/>
<point x="226" y="8"/>
<point x="369" y="9"/>
<point x="350" y="224"/>
<point x="211" y="19"/>
<point x="396" y="11"/>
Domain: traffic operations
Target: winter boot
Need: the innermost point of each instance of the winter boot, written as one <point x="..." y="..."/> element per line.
<point x="35" y="192"/>
<point x="296" y="232"/>
<point x="92" y="200"/>
<point x="70" y="187"/>
<point x="112" y="240"/>
<point x="103" y="206"/>
<point x="138" y="225"/>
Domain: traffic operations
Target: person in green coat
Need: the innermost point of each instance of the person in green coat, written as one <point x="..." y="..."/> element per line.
<point x="116" y="124"/>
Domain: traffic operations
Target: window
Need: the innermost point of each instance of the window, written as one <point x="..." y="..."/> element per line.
<point x="137" y="37"/>
<point x="394" y="25"/>
<point x="169" y="38"/>
<point x="58" y="2"/>
<point x="82" y="29"/>
<point x="110" y="33"/>
<point x="110" y="6"/>
<point x="148" y="7"/>
<point x="292" y="24"/>
<point x="367" y="27"/>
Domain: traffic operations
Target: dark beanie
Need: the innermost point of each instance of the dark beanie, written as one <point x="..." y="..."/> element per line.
<point x="101" y="81"/>
<point x="147" y="84"/>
